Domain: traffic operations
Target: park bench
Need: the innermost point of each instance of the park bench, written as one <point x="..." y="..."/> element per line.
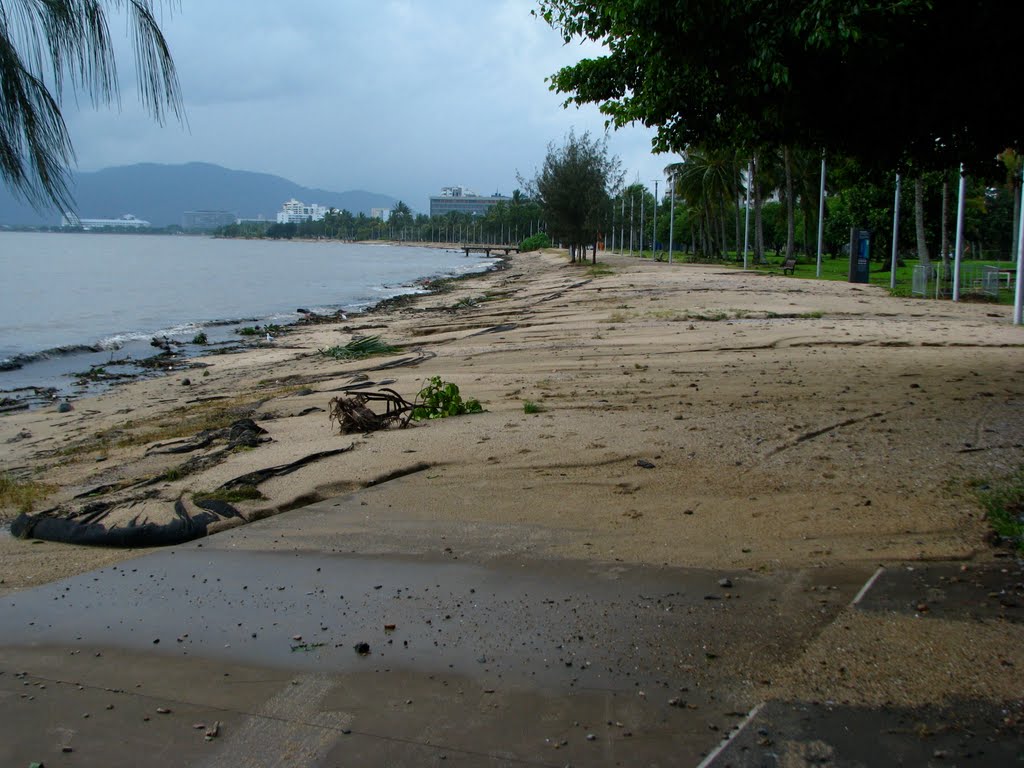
<point x="788" y="266"/>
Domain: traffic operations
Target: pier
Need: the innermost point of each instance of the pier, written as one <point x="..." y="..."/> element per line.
<point x="505" y="249"/>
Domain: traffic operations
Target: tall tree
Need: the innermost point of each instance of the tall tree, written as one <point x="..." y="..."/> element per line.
<point x="790" y="205"/>
<point x="817" y="74"/>
<point x="574" y="188"/>
<point x="44" y="44"/>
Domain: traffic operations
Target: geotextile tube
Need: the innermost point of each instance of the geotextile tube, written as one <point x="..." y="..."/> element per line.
<point x="184" y="527"/>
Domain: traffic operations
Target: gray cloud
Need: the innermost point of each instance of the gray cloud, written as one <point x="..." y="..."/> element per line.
<point x="400" y="97"/>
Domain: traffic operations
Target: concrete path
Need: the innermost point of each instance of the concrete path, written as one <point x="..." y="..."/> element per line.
<point x="246" y="649"/>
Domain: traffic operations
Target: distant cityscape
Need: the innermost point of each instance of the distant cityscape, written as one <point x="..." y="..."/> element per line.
<point x="453" y="199"/>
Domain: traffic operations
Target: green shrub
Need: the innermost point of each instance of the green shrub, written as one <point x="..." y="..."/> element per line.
<point x="440" y="399"/>
<point x="535" y="242"/>
<point x="357" y="349"/>
<point x="200" y="338"/>
<point x="1004" y="502"/>
<point x="531" y="407"/>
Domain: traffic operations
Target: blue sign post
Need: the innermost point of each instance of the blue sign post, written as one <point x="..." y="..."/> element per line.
<point x="860" y="251"/>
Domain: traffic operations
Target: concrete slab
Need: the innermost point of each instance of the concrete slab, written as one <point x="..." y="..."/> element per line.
<point x="960" y="592"/>
<point x="499" y="663"/>
<point x="963" y="733"/>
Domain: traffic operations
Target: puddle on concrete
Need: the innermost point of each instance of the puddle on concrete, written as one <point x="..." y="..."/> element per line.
<point x="564" y="623"/>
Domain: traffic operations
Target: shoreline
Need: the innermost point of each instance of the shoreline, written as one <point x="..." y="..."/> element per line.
<point x="182" y="355"/>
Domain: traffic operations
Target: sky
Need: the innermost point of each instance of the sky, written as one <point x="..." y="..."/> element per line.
<point x="400" y="97"/>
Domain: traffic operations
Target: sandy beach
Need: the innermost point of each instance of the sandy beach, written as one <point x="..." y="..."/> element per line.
<point x="789" y="422"/>
<point x="684" y="417"/>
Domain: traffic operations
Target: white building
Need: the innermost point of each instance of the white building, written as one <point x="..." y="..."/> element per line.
<point x="459" y="199"/>
<point x="380" y="213"/>
<point x="296" y="212"/>
<point x="125" y="222"/>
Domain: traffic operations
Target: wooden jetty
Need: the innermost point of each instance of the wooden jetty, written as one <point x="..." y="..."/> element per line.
<point x="505" y="249"/>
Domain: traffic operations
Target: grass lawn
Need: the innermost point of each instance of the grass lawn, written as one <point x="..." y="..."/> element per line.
<point x="838" y="269"/>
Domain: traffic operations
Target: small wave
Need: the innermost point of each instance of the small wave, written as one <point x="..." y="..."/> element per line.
<point x="118" y="340"/>
<point x="391" y="291"/>
<point x="230" y="322"/>
<point x="19" y="361"/>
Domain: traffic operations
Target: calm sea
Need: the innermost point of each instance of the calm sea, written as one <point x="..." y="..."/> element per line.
<point x="68" y="301"/>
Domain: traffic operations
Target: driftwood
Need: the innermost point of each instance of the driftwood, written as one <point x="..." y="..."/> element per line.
<point x="353" y="413"/>
<point x="258" y="476"/>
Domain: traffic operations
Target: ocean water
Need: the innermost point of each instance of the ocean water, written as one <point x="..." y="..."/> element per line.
<point x="69" y="301"/>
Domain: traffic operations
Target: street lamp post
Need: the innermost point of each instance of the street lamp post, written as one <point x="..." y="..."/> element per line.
<point x="672" y="217"/>
<point x="631" y="205"/>
<point x="959" y="253"/>
<point x="643" y="195"/>
<point x="821" y="215"/>
<point x="895" y="234"/>
<point x="654" y="227"/>
<point x="622" y="225"/>
<point x="746" y="216"/>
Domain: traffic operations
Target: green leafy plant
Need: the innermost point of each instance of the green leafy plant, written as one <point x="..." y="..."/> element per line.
<point x="200" y="338"/>
<point x="440" y="399"/>
<point x="531" y="407"/>
<point x="467" y="302"/>
<point x="1004" y="502"/>
<point x="535" y="242"/>
<point x="359" y="348"/>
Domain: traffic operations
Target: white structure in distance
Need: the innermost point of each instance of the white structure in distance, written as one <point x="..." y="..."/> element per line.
<point x="125" y="222"/>
<point x="296" y="212"/>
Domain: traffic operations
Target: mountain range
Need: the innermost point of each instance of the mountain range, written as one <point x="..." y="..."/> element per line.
<point x="161" y="194"/>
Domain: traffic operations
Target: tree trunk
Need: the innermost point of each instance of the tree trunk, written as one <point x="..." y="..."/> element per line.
<point x="790" y="217"/>
<point x="758" y="222"/>
<point x="922" y="245"/>
<point x="943" y="225"/>
<point x="735" y="200"/>
<point x="725" y="244"/>
<point x="713" y="244"/>
<point x="1016" y="189"/>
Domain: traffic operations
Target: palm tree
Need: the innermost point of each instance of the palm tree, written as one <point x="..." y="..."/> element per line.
<point x="706" y="179"/>
<point x="41" y="45"/>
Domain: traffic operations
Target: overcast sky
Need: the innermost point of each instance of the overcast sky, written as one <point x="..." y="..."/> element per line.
<point x="400" y="97"/>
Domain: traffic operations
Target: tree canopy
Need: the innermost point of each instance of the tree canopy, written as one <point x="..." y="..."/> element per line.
<point x="42" y="46"/>
<point x="574" y="188"/>
<point x="893" y="83"/>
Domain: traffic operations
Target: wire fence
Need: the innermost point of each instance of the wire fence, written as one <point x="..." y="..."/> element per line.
<point x="936" y="280"/>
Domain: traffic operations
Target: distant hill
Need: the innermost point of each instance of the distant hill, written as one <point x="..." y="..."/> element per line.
<point x="162" y="193"/>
